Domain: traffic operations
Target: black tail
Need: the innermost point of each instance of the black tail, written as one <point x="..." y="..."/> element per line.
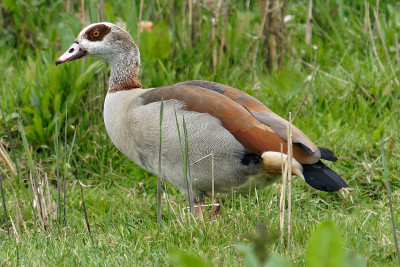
<point x="321" y="177"/>
<point x="327" y="154"/>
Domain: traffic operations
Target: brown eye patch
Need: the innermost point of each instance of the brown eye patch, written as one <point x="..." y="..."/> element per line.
<point x="97" y="32"/>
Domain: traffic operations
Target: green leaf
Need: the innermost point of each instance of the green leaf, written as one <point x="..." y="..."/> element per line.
<point x="109" y="12"/>
<point x="278" y="261"/>
<point x="250" y="257"/>
<point x="157" y="43"/>
<point x="378" y="133"/>
<point x="354" y="260"/>
<point x="187" y="259"/>
<point x="288" y="82"/>
<point x="326" y="247"/>
<point x="39" y="127"/>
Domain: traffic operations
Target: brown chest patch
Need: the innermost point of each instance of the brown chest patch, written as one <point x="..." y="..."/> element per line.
<point x="127" y="84"/>
<point x="97" y="32"/>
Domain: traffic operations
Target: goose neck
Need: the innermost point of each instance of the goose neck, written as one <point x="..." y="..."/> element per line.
<point x="124" y="71"/>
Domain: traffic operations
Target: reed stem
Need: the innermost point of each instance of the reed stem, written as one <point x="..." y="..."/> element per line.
<point x="4" y="205"/>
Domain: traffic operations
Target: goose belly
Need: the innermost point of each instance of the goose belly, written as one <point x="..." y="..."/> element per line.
<point x="135" y="130"/>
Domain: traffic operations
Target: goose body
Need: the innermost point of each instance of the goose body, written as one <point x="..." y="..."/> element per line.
<point x="243" y="135"/>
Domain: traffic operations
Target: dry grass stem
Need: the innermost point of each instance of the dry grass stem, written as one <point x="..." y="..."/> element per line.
<point x="372" y="38"/>
<point x="396" y="41"/>
<point x="159" y="11"/>
<point x="211" y="155"/>
<point x="10" y="140"/>
<point x="197" y="21"/>
<point x="366" y="19"/>
<point x="377" y="5"/>
<point x="273" y="35"/>
<point x="359" y="85"/>
<point x="140" y="23"/>
<point x="212" y="43"/>
<point x="7" y="159"/>
<point x="183" y="23"/>
<point x="378" y="27"/>
<point x="324" y="73"/>
<point x="308" y="36"/>
<point x="42" y="201"/>
<point x="83" y="12"/>
<point x="15" y="230"/>
<point x="263" y="10"/>
<point x="49" y="202"/>
<point x="225" y="9"/>
<point x="214" y="9"/>
<point x="310" y="85"/>
<point x="172" y="208"/>
<point x="37" y="200"/>
<point x="289" y="164"/>
<point x="282" y="199"/>
<point x="18" y="214"/>
<point x="46" y="201"/>
<point x="389" y="195"/>
<point x="190" y="20"/>
<point x="102" y="10"/>
<point x="345" y="192"/>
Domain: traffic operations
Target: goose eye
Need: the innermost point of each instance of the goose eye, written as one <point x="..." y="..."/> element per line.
<point x="96" y="33"/>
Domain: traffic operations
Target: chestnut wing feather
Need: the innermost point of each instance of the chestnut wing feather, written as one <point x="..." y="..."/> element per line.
<point x="259" y="111"/>
<point x="244" y="126"/>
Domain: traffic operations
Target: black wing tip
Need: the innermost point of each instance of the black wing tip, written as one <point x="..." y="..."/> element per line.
<point x="327" y="154"/>
<point x="306" y="148"/>
<point x="322" y="178"/>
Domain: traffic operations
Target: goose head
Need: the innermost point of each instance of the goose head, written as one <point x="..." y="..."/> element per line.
<point x="103" y="40"/>
<point x="113" y="44"/>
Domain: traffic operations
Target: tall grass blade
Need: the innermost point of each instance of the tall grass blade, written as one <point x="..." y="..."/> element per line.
<point x="159" y="167"/>
<point x="65" y="162"/>
<point x="56" y="146"/>
<point x="26" y="148"/>
<point x="212" y="178"/>
<point x="378" y="27"/>
<point x="189" y="176"/>
<point x="33" y="180"/>
<point x="184" y="155"/>
<point x="385" y="172"/>
<point x="4" y="205"/>
<point x="84" y="209"/>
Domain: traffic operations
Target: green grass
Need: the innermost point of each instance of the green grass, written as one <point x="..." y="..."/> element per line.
<point x="353" y="105"/>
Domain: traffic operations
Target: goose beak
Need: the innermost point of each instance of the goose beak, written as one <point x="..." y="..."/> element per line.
<point x="74" y="52"/>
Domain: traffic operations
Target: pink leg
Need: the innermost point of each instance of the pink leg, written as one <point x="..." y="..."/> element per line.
<point x="217" y="208"/>
<point x="214" y="212"/>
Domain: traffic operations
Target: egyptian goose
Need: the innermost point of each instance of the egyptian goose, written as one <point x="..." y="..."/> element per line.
<point x="244" y="136"/>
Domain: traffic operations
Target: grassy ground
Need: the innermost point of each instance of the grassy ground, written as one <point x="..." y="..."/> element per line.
<point x="352" y="109"/>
